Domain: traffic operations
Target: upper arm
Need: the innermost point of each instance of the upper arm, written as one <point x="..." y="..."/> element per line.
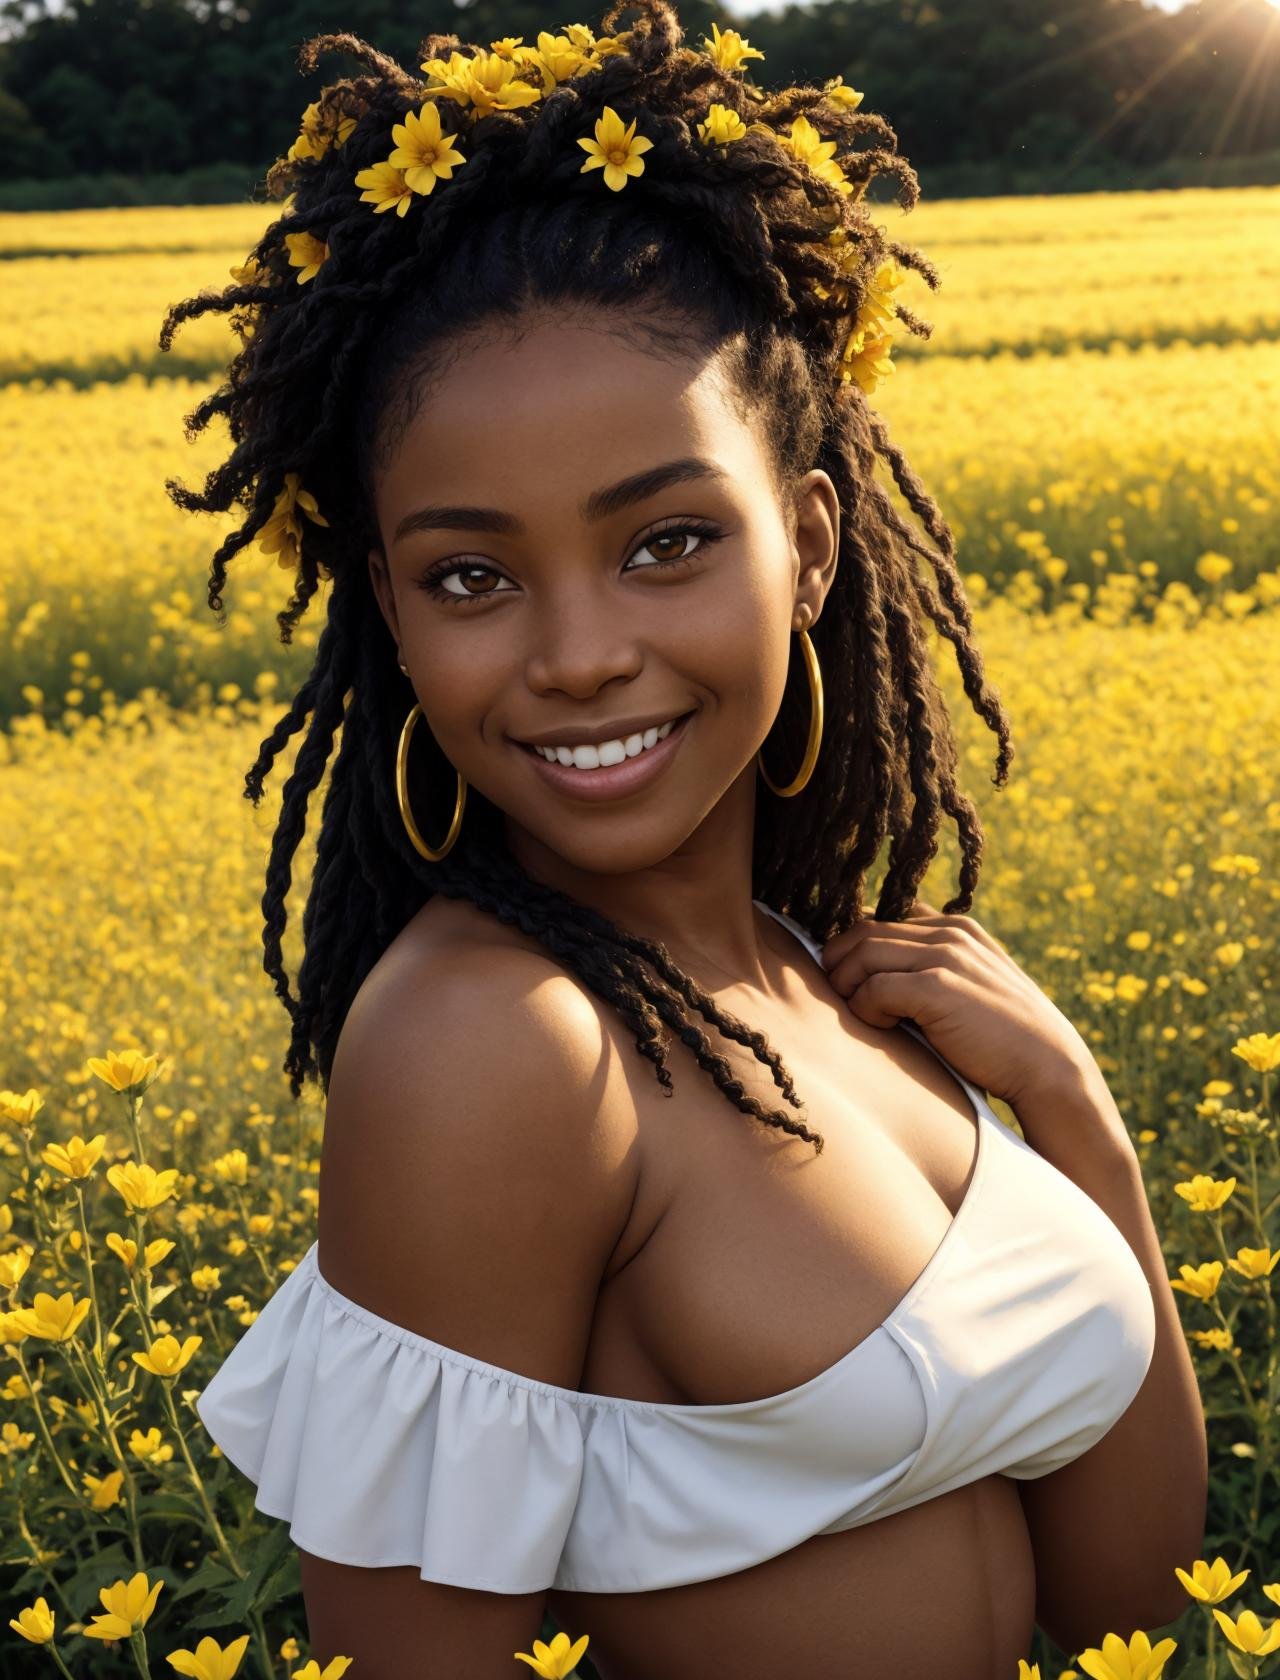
<point x="478" y="1169"/>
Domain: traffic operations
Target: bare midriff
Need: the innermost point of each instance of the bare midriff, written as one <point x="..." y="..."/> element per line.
<point x="749" y="1266"/>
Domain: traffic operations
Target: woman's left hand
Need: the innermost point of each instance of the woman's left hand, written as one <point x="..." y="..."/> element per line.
<point x="964" y="991"/>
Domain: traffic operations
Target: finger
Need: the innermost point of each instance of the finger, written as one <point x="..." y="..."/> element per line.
<point x="895" y="948"/>
<point x="893" y="995"/>
<point x="845" y="944"/>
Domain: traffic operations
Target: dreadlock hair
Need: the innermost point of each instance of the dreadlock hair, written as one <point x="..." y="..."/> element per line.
<point x="746" y="249"/>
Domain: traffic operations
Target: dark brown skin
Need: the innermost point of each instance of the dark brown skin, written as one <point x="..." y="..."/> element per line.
<point x="558" y="1215"/>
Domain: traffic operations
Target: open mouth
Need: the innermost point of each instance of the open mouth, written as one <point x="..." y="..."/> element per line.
<point x="607" y="769"/>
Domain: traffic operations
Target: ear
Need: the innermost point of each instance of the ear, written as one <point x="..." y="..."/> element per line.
<point x="817" y="541"/>
<point x="380" y="578"/>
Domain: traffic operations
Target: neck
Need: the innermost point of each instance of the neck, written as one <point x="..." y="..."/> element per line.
<point x="696" y="900"/>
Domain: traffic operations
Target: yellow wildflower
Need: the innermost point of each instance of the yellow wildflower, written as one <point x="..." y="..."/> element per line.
<point x="151" y="1448"/>
<point x="1204" y="1194"/>
<point x="561" y="57"/>
<point x="1247" y="1634"/>
<point x="616" y="149"/>
<point x="22" y="1110"/>
<point x="142" y="1186"/>
<point x="282" y="533"/>
<point x="13" y="1265"/>
<point x="209" y="1661"/>
<point x="249" y="273"/>
<point x="806" y="144"/>
<point x="319" y="132"/>
<point x="166" y="1357"/>
<point x="1260" y="1051"/>
<point x="334" y="1669"/>
<point x="52" y="1320"/>
<point x="486" y="81"/>
<point x="721" y="126"/>
<point x="1219" y="1340"/>
<point x="1211" y="1583"/>
<point x="1255" y="1262"/>
<point x="554" y="1661"/>
<point x="1118" y="1661"/>
<point x="128" y="1606"/>
<point x="104" y="1491"/>
<point x="11" y="1334"/>
<point x="233" y="1167"/>
<point x="306" y="254"/>
<point x="385" y="188"/>
<point x="1200" y="1281"/>
<point x="123" y="1069"/>
<point x="839" y="94"/>
<point x="729" y="50"/>
<point x="423" y="150"/>
<point x="35" y="1622"/>
<point x="76" y="1158"/>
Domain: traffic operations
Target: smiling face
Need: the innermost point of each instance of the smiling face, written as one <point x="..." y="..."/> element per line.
<point x="584" y="549"/>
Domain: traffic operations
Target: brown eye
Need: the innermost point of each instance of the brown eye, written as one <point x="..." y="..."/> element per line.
<point x="477" y="580"/>
<point x="668" y="545"/>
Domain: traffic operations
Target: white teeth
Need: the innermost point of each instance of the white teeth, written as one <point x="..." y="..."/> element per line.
<point x="592" y="755"/>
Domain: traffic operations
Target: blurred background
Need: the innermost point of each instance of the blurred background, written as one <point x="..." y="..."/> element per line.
<point x="1097" y="413"/>
<point x="184" y="101"/>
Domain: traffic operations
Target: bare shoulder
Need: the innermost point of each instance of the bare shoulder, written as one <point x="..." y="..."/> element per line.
<point x="480" y="1132"/>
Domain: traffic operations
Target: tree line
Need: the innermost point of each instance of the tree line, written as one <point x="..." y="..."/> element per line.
<point x="1063" y="93"/>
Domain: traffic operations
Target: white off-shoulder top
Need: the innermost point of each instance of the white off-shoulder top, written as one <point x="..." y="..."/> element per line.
<point x="1024" y="1339"/>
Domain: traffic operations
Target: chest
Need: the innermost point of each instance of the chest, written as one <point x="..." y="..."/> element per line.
<point x="751" y="1263"/>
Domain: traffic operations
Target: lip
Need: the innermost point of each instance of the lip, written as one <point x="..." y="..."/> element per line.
<point x="615" y="729"/>
<point x="610" y="781"/>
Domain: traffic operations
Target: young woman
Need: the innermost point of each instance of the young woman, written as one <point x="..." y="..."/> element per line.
<point x="768" y="1349"/>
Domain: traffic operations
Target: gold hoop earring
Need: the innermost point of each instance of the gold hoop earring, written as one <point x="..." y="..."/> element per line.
<point x="815" y="726"/>
<point x="402" y="795"/>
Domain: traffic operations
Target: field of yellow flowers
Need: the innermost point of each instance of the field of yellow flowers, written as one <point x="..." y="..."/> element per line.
<point x="1097" y="415"/>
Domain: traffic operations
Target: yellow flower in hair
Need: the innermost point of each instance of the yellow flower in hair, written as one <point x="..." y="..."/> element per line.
<point x="306" y="253"/>
<point x="561" y="57"/>
<point x="722" y="126"/>
<point x="607" y="45"/>
<point x="616" y="149"/>
<point x="423" y="150"/>
<point x="878" y="309"/>
<point x="805" y="143"/>
<point x="839" y="94"/>
<point x="249" y="273"/>
<point x="729" y="50"/>
<point x="320" y="132"/>
<point x="385" y="187"/>
<point x="865" y="360"/>
<point x="486" y="81"/>
<point x="282" y="533"/>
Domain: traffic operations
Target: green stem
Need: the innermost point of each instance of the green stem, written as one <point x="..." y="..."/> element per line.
<point x="99" y="1345"/>
<point x="206" y="1505"/>
<point x="138" y="1645"/>
<point x="43" y="1427"/>
<point x="57" y="1657"/>
<point x="99" y="1396"/>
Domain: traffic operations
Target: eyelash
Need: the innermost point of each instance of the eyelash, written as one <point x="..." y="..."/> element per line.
<point x="432" y="579"/>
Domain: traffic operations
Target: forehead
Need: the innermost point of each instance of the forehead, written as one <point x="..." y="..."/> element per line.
<point x="563" y="407"/>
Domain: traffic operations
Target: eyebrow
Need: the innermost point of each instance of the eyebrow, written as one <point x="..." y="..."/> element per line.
<point x="600" y="504"/>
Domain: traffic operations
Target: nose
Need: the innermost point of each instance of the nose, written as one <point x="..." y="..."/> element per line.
<point x="578" y="645"/>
